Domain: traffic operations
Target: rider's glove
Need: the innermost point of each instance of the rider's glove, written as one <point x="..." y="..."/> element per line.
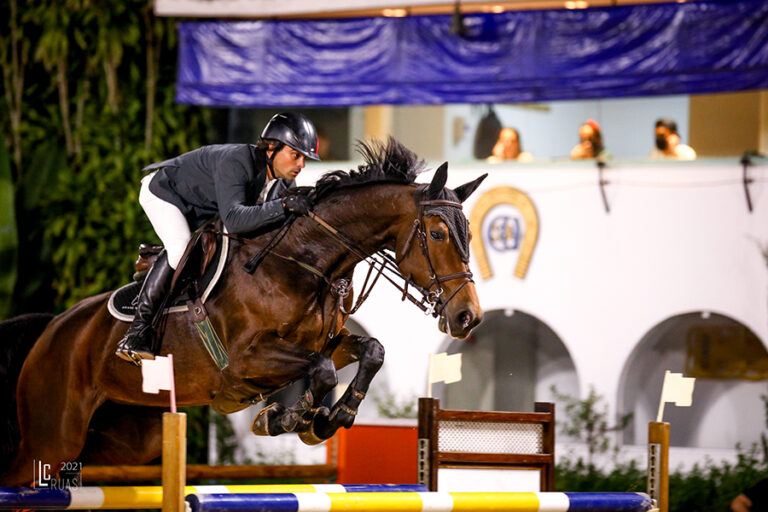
<point x="296" y="205"/>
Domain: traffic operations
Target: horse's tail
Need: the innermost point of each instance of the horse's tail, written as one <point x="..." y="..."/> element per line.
<point x="17" y="336"/>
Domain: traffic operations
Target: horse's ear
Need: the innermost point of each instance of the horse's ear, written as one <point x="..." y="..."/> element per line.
<point x="438" y="181"/>
<point x="465" y="190"/>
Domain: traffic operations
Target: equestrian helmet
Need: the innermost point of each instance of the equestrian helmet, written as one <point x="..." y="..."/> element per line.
<point x="294" y="130"/>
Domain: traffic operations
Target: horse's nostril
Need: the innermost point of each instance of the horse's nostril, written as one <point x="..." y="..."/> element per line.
<point x="465" y="318"/>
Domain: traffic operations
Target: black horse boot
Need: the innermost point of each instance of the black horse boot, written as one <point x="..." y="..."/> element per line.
<point x="139" y="340"/>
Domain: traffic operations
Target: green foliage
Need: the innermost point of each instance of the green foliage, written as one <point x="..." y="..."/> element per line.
<point x="587" y="421"/>
<point x="97" y="105"/>
<point x="391" y="407"/>
<point x="708" y="488"/>
<point x="8" y="235"/>
<point x="199" y="420"/>
<point x="577" y="476"/>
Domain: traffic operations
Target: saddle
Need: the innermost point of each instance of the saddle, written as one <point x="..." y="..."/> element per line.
<point x="196" y="260"/>
<point x="197" y="274"/>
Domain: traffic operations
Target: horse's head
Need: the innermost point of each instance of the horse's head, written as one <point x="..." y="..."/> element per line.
<point x="434" y="252"/>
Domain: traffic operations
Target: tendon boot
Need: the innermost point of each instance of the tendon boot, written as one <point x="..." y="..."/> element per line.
<point x="139" y="340"/>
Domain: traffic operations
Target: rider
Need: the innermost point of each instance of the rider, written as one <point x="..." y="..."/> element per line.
<point x="240" y="182"/>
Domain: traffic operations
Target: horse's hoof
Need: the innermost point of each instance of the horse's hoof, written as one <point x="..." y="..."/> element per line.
<point x="125" y="356"/>
<point x="310" y="438"/>
<point x="260" y="425"/>
<point x="320" y="419"/>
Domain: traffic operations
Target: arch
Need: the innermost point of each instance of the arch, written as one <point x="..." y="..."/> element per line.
<point x="511" y="360"/>
<point x="670" y="345"/>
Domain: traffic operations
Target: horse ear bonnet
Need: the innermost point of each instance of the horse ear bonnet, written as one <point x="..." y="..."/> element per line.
<point x="458" y="225"/>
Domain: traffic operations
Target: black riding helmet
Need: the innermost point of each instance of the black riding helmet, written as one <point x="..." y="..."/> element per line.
<point x="293" y="130"/>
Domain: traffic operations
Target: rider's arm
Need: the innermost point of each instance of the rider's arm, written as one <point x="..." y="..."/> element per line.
<point x="232" y="182"/>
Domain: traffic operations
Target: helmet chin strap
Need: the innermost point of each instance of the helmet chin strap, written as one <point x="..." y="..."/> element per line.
<point x="270" y="169"/>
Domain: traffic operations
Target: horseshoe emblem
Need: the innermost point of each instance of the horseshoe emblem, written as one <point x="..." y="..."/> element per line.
<point x="504" y="233"/>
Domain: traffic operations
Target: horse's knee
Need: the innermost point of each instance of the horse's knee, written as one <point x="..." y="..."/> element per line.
<point x="374" y="354"/>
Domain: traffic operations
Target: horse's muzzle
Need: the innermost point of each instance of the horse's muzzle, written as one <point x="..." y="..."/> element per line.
<point x="459" y="325"/>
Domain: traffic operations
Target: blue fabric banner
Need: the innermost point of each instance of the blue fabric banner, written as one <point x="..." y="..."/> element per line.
<point x="521" y="56"/>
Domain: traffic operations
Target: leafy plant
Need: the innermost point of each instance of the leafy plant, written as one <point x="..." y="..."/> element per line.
<point x="577" y="476"/>
<point x="199" y="421"/>
<point x="707" y="487"/>
<point x="8" y="235"/>
<point x="710" y="487"/>
<point x="88" y="101"/>
<point x="587" y="420"/>
<point x="391" y="407"/>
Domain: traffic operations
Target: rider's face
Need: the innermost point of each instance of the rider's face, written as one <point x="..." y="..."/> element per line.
<point x="287" y="163"/>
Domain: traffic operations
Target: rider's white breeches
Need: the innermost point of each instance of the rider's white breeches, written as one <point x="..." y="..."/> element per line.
<point x="167" y="220"/>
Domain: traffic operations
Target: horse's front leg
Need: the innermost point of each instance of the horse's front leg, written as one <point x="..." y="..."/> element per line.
<point x="276" y="419"/>
<point x="370" y="355"/>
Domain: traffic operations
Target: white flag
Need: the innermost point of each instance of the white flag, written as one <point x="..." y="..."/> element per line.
<point x="155" y="374"/>
<point x="677" y="389"/>
<point x="444" y="368"/>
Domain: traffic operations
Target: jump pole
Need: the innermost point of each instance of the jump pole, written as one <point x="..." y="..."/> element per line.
<point x="658" y="464"/>
<point x="174" y="454"/>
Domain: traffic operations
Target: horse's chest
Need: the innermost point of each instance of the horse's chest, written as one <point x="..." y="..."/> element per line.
<point x="306" y="322"/>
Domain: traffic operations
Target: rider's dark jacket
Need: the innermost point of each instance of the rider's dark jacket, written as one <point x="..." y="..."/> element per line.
<point x="226" y="179"/>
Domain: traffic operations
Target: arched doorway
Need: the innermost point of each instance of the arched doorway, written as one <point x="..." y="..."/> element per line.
<point x="511" y="360"/>
<point x="725" y="411"/>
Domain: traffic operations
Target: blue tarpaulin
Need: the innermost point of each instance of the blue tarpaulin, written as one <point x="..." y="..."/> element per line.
<point x="522" y="56"/>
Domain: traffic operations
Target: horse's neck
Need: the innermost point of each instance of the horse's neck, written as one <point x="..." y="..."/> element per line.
<point x="369" y="216"/>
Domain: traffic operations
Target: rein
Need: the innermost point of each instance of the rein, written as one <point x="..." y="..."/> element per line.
<point x="431" y="302"/>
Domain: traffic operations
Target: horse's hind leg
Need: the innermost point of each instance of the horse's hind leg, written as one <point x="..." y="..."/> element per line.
<point x="276" y="419"/>
<point x="370" y="354"/>
<point x="123" y="434"/>
<point x="54" y="425"/>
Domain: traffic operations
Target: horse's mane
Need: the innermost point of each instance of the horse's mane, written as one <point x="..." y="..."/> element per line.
<point x="384" y="163"/>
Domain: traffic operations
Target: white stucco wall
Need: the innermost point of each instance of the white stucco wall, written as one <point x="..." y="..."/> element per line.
<point x="678" y="239"/>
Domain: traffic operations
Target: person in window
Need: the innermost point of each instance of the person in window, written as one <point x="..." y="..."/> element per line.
<point x="668" y="145"/>
<point x="509" y="147"/>
<point x="590" y="142"/>
<point x="239" y="182"/>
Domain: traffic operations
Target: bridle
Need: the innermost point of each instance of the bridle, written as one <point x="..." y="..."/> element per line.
<point x="419" y="231"/>
<point x="431" y="301"/>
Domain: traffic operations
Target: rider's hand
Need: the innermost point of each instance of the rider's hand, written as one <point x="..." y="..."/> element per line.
<point x="296" y="205"/>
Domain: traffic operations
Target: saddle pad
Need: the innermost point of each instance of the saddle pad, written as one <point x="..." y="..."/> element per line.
<point x="122" y="303"/>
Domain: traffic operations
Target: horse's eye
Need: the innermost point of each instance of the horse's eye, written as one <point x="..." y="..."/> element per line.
<point x="437" y="235"/>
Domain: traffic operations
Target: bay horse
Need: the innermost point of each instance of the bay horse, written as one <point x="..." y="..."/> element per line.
<point x="76" y="401"/>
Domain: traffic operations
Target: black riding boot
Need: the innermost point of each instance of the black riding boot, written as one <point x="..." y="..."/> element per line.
<point x="139" y="340"/>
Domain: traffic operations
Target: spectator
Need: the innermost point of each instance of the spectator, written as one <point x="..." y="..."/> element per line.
<point x="668" y="144"/>
<point x="591" y="142"/>
<point x="509" y="147"/>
